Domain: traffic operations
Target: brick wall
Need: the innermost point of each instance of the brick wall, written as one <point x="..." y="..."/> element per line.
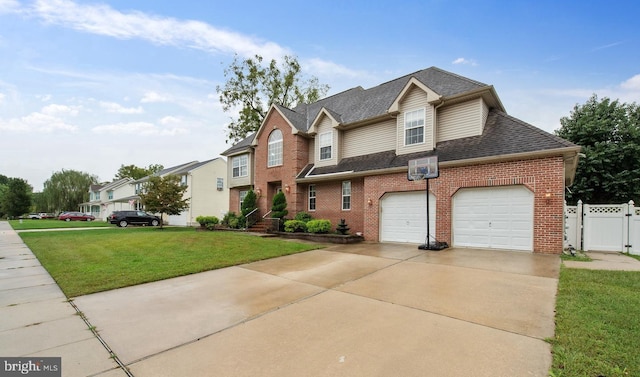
<point x="544" y="177"/>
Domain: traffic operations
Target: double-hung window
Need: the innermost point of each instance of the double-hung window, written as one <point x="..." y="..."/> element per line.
<point x="346" y="195"/>
<point x="312" y="197"/>
<point x="275" y="148"/>
<point x="110" y="194"/>
<point x="414" y="127"/>
<point x="326" y="141"/>
<point x="239" y="166"/>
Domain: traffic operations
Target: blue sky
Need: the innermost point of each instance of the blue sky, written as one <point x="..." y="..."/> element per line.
<point x="92" y="85"/>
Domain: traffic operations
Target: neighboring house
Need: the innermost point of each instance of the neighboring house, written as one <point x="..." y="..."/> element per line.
<point x="501" y="183"/>
<point x="206" y="191"/>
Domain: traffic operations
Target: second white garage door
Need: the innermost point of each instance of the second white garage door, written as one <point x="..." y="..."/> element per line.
<point x="493" y="217"/>
<point x="403" y="217"/>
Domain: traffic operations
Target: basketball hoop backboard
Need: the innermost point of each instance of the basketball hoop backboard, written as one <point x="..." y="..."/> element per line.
<point x="423" y="168"/>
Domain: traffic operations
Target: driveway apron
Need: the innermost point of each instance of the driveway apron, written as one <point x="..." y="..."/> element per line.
<point x="348" y="310"/>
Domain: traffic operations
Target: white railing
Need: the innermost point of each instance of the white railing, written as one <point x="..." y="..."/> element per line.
<point x="603" y="227"/>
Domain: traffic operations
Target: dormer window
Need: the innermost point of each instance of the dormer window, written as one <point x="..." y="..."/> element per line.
<point x="326" y="141"/>
<point x="414" y="127"/>
<point x="275" y="148"/>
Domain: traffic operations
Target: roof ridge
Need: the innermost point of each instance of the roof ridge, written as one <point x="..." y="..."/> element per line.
<point x="458" y="76"/>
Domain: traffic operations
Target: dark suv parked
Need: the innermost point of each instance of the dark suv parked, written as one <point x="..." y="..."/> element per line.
<point x="124" y="218"/>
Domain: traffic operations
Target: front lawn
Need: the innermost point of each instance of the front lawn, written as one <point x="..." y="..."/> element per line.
<point x="597" y="324"/>
<point x="25" y="224"/>
<point x="88" y="261"/>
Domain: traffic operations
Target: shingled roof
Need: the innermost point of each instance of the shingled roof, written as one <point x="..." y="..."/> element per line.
<point x="503" y="135"/>
<point x="358" y="104"/>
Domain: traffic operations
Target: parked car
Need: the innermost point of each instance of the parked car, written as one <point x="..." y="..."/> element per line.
<point x="34" y="216"/>
<point x="76" y="216"/>
<point x="44" y="215"/>
<point x="124" y="218"/>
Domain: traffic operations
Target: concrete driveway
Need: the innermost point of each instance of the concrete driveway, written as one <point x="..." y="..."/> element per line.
<point x="349" y="310"/>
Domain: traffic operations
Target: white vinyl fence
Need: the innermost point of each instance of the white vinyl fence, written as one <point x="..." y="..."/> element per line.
<point x="603" y="227"/>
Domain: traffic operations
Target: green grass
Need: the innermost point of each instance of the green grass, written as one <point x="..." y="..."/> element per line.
<point x="579" y="257"/>
<point x="54" y="223"/>
<point x="597" y="324"/>
<point x="88" y="261"/>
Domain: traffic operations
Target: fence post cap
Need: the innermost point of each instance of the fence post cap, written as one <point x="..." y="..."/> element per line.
<point x="631" y="202"/>
<point x="579" y="201"/>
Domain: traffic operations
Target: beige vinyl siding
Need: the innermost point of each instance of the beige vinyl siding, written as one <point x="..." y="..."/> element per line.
<point x="239" y="181"/>
<point x="325" y="125"/>
<point x="416" y="99"/>
<point x="461" y="120"/>
<point x="485" y="114"/>
<point x="373" y="138"/>
<point x="205" y="199"/>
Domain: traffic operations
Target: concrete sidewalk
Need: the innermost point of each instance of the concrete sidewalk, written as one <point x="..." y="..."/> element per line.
<point x="36" y="319"/>
<point x="610" y="261"/>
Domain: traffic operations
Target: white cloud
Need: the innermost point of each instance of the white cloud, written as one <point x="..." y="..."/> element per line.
<point x="151" y="97"/>
<point x="36" y="122"/>
<point x="2" y="97"/>
<point x="59" y="110"/>
<point x="632" y="83"/>
<point x="113" y="107"/>
<point x="44" y="97"/>
<point x="9" y="6"/>
<point x="326" y="68"/>
<point x="465" y="61"/>
<point x="137" y="128"/>
<point x="104" y="20"/>
<point x="170" y="120"/>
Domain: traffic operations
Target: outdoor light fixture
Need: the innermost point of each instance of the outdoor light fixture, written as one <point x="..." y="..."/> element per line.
<point x="369" y="202"/>
<point x="287" y="188"/>
<point x="258" y="192"/>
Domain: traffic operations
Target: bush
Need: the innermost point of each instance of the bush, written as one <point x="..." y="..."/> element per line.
<point x="231" y="220"/>
<point x="303" y="216"/>
<point x="318" y="226"/>
<point x="292" y="226"/>
<point x="208" y="222"/>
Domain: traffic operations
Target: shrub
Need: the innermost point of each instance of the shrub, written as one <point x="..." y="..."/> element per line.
<point x="231" y="220"/>
<point x="208" y="222"/>
<point x="303" y="216"/>
<point x="293" y="226"/>
<point x="279" y="206"/>
<point x="318" y="226"/>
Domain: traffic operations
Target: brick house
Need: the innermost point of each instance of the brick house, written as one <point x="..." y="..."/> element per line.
<point x="501" y="181"/>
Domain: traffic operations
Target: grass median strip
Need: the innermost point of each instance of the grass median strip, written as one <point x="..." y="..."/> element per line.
<point x="597" y="324"/>
<point x="89" y="261"/>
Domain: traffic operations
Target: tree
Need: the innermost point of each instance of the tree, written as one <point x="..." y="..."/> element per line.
<point x="164" y="195"/>
<point x="66" y="189"/>
<point x="248" y="205"/>
<point x="253" y="88"/>
<point x="17" y="197"/>
<point x="279" y="206"/>
<point x="136" y="172"/>
<point x="609" y="133"/>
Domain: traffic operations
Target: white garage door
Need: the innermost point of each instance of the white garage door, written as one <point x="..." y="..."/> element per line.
<point x="403" y="217"/>
<point x="178" y="220"/>
<point x="493" y="217"/>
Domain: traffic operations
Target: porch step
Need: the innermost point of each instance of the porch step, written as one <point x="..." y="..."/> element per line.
<point x="259" y="227"/>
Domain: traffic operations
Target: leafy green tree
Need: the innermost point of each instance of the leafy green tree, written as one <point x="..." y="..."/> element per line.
<point x="609" y="133"/>
<point x="17" y="197"/>
<point x="66" y="189"/>
<point x="136" y="172"/>
<point x="164" y="195"/>
<point x="3" y="192"/>
<point x="253" y="88"/>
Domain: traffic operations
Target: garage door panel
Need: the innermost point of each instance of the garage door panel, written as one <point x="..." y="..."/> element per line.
<point x="497" y="217"/>
<point x="403" y="217"/>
